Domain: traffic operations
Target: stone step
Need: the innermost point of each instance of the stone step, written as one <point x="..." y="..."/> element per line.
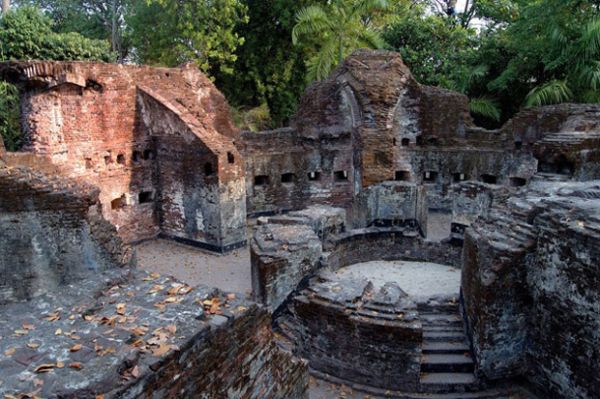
<point x="448" y="382"/>
<point x="447" y="328"/>
<point x="445" y="347"/>
<point x="440" y="319"/>
<point x="444" y="363"/>
<point x="451" y="336"/>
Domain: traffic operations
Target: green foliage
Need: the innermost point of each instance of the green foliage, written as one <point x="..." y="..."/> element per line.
<point x="334" y="30"/>
<point x="437" y="51"/>
<point x="94" y="19"/>
<point x="553" y="92"/>
<point x="26" y="33"/>
<point x="9" y="116"/>
<point x="486" y="107"/>
<point x="268" y="69"/>
<point x="254" y="120"/>
<point x="172" y="32"/>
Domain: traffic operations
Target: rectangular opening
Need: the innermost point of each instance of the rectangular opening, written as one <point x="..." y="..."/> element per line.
<point x="489" y="179"/>
<point x="261" y="180"/>
<point x="458" y="177"/>
<point x="146" y="197"/>
<point x="402" y="175"/>
<point x="314" y="176"/>
<point x="340" y="175"/>
<point x="118" y="203"/>
<point x="430" y="176"/>
<point x="518" y="181"/>
<point x="288" y="178"/>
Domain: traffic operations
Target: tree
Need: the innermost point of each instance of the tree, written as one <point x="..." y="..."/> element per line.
<point x="5" y="6"/>
<point x="269" y="69"/>
<point x="554" y="50"/>
<point x="95" y="19"/>
<point x="172" y="32"/>
<point x="335" y="30"/>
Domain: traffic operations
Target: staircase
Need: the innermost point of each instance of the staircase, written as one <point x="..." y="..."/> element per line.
<point x="446" y="363"/>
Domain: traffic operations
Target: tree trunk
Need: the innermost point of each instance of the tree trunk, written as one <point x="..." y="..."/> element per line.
<point x="5" y="6"/>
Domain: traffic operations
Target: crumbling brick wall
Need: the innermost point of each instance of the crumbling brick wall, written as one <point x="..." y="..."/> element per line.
<point x="95" y="122"/>
<point x="52" y="233"/>
<point x="529" y="286"/>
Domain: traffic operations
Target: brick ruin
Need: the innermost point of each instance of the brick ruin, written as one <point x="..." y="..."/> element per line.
<point x="115" y="155"/>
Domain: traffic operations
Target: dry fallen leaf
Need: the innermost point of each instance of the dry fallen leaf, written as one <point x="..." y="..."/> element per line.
<point x="60" y="365"/>
<point x="75" y="365"/>
<point x="172" y="328"/>
<point x="10" y="352"/>
<point x="161" y="350"/>
<point x="44" y="368"/>
<point x="28" y="326"/>
<point x="121" y="308"/>
<point x="53" y="316"/>
<point x="135" y="372"/>
<point x="33" y="345"/>
<point x="75" y="348"/>
<point x="58" y="331"/>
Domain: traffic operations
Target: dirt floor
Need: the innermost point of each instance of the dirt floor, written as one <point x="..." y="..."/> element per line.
<point x="194" y="266"/>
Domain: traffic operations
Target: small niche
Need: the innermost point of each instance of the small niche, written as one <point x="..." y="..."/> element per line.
<point x="261" y="180"/>
<point x="430" y="176"/>
<point x="208" y="169"/>
<point x="419" y="140"/>
<point x="518" y="145"/>
<point x="136" y="156"/>
<point x="340" y="175"/>
<point x="118" y="203"/>
<point x="107" y="159"/>
<point x="489" y="179"/>
<point x="402" y="175"/>
<point x="149" y="154"/>
<point x="394" y="142"/>
<point x="432" y="141"/>
<point x="518" y="181"/>
<point x="405" y="142"/>
<point x="230" y="157"/>
<point x="88" y="163"/>
<point x="121" y="159"/>
<point x="288" y="178"/>
<point x="314" y="176"/>
<point x="146" y="197"/>
<point x="458" y="177"/>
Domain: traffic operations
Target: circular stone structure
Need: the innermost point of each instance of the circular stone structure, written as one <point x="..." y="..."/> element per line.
<point x="365" y="325"/>
<point x="422" y="281"/>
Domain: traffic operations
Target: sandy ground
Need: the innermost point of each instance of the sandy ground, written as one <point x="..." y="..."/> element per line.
<point x="420" y="280"/>
<point x="194" y="266"/>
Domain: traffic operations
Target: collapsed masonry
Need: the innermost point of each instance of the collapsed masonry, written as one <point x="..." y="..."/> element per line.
<point x="142" y="152"/>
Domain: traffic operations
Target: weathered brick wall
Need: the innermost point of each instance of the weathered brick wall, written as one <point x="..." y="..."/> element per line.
<point x="282" y="256"/>
<point x="52" y="233"/>
<point x="364" y="245"/>
<point x="355" y="333"/>
<point x="285" y="171"/>
<point x="530" y="289"/>
<point x="95" y="122"/>
<point x="391" y="204"/>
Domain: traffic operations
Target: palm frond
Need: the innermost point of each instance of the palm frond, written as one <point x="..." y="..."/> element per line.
<point x="553" y="92"/>
<point x="591" y="38"/>
<point x="362" y="7"/>
<point x="486" y="107"/>
<point x="370" y="39"/>
<point x="590" y="75"/>
<point x="310" y="20"/>
<point x="322" y="63"/>
<point x="590" y="97"/>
